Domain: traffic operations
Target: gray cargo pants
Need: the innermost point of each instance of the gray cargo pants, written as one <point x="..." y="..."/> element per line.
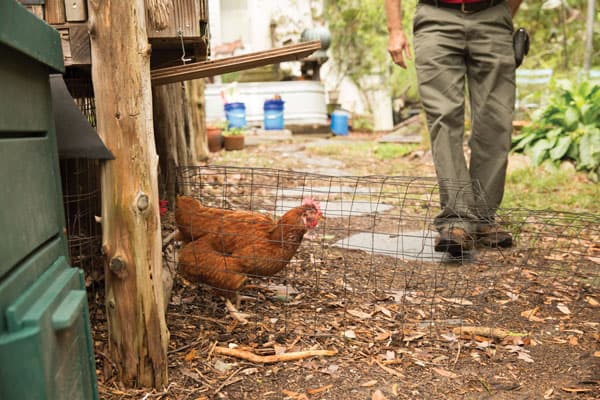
<point x="450" y="45"/>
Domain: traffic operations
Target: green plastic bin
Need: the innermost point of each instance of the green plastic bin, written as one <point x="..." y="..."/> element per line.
<point x="46" y="347"/>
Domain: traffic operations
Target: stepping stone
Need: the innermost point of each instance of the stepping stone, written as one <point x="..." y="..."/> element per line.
<point x="415" y="245"/>
<point x="337" y="209"/>
<point x="321" y="192"/>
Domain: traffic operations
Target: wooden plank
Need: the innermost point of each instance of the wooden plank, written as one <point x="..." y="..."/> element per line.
<point x="80" y="44"/>
<point x="75" y="42"/>
<point x="185" y="17"/>
<point x="230" y="64"/>
<point x="55" y="11"/>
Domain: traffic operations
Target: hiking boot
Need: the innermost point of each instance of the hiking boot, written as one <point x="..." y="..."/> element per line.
<point x="493" y="236"/>
<point x="455" y="241"/>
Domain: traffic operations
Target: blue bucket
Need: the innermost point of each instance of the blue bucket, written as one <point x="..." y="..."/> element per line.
<point x="273" y="118"/>
<point x="339" y="122"/>
<point x="236" y="115"/>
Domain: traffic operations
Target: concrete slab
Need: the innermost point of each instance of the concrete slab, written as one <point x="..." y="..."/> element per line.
<point x="414" y="245"/>
<point x="405" y="139"/>
<point x="261" y="136"/>
<point x="321" y="192"/>
<point x="337" y="209"/>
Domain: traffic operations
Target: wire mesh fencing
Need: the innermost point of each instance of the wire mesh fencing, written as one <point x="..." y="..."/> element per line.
<point x="370" y="269"/>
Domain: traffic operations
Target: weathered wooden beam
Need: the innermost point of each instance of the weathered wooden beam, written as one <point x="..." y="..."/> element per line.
<point x="131" y="241"/>
<point x="230" y="64"/>
<point x="55" y="12"/>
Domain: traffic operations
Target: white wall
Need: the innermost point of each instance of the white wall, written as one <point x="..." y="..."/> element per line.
<point x="249" y="20"/>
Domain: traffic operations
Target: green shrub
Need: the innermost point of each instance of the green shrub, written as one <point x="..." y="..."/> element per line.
<point x="568" y="128"/>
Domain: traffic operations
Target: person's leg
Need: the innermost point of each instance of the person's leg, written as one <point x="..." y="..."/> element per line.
<point x="491" y="77"/>
<point x="491" y="82"/>
<point x="440" y="50"/>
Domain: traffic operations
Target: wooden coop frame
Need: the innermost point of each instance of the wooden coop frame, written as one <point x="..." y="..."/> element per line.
<point x="179" y="48"/>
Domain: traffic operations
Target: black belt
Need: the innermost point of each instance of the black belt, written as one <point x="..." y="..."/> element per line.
<point x="466" y="8"/>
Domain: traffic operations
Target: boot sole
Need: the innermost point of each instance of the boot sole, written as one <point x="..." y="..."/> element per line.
<point x="505" y="243"/>
<point x="450" y="246"/>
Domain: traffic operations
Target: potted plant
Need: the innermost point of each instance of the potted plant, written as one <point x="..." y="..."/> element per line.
<point x="214" y="136"/>
<point x="233" y="138"/>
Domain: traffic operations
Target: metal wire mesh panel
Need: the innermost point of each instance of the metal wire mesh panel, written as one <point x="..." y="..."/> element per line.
<point x="372" y="258"/>
<point x="81" y="200"/>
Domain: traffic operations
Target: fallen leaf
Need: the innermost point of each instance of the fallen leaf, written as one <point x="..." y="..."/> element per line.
<point x="410" y="336"/>
<point x="573" y="340"/>
<point x="383" y="336"/>
<point x="378" y="395"/>
<point x="451" y="337"/>
<point x="525" y="357"/>
<point x="595" y="260"/>
<point x="592" y="301"/>
<point x="319" y="390"/>
<point x="294" y="395"/>
<point x="384" y="311"/>
<point x="548" y="393"/>
<point x="350" y="334"/>
<point x="369" y="383"/>
<point x="576" y="390"/>
<point x="222" y="366"/>
<point x="514" y="340"/>
<point x="359" y="314"/>
<point x="529" y="313"/>
<point x="190" y="356"/>
<point x="249" y="371"/>
<point x="461" y="302"/>
<point x="279" y="349"/>
<point x="512" y="296"/>
<point x="563" y="308"/>
<point x="577" y="331"/>
<point x="597" y="353"/>
<point x="331" y="369"/>
<point x="445" y="373"/>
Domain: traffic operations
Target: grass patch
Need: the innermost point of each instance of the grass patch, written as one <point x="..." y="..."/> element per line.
<point x="363" y="149"/>
<point x="389" y="151"/>
<point x="541" y="189"/>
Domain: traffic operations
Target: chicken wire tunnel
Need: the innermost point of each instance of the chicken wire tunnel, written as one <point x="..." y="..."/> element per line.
<point x="370" y="267"/>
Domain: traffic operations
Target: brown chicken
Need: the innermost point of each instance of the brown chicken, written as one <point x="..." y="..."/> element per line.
<point x="226" y="246"/>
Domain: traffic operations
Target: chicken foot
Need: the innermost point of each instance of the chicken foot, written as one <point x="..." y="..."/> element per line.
<point x="238" y="316"/>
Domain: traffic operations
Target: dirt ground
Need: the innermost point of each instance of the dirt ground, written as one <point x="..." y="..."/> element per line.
<point x="514" y="324"/>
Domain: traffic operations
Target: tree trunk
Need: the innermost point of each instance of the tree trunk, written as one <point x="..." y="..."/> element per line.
<point x="195" y="95"/>
<point x="137" y="331"/>
<point x="173" y="142"/>
<point x="169" y="127"/>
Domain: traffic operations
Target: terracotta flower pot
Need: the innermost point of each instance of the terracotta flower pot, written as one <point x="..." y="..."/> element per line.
<point x="234" y="142"/>
<point x="214" y="138"/>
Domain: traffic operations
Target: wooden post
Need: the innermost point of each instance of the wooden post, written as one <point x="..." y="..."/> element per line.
<point x="137" y="331"/>
<point x="174" y="136"/>
<point x="195" y="95"/>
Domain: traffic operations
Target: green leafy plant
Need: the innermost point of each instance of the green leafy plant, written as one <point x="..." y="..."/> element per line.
<point x="568" y="128"/>
<point x="233" y="131"/>
<point x="362" y="124"/>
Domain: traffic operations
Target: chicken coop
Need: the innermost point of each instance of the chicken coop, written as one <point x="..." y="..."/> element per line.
<point x="45" y="337"/>
<point x="369" y="270"/>
<point x="80" y="156"/>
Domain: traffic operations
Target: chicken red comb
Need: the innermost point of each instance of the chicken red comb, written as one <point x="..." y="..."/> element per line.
<point x="309" y="201"/>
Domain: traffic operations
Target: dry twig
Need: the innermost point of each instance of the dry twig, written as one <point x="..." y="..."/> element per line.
<point x="486" y="331"/>
<point x="294" y="356"/>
